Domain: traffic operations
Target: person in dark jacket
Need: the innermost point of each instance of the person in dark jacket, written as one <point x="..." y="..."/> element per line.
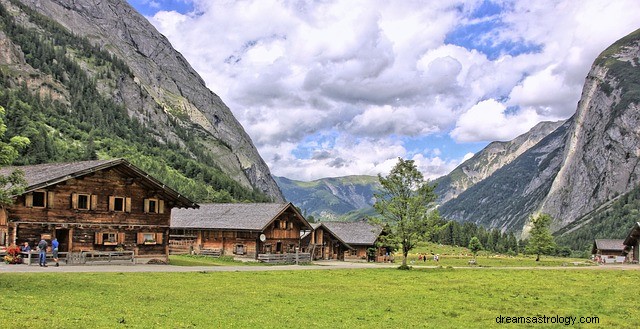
<point x="42" y="247"/>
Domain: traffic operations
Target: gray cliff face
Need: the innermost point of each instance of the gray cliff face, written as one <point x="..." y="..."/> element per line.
<point x="164" y="88"/>
<point x="583" y="164"/>
<point x="603" y="149"/>
<point x="506" y="198"/>
<point x="493" y="157"/>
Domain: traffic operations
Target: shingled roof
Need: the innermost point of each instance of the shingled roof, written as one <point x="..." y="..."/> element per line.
<point x="232" y="216"/>
<point x="355" y="233"/>
<point x="44" y="175"/>
<point x="608" y="244"/>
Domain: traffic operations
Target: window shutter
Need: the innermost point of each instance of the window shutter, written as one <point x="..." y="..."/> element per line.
<point x="146" y="205"/>
<point x="50" y="199"/>
<point x="112" y="203"/>
<point x="74" y="201"/>
<point x="127" y="204"/>
<point x="159" y="238"/>
<point x="140" y="238"/>
<point x="161" y="206"/>
<point x="120" y="237"/>
<point x="28" y="200"/>
<point x="98" y="238"/>
<point x="94" y="202"/>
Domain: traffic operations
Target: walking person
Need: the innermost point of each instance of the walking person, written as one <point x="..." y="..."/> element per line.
<point x="42" y="247"/>
<point x="54" y="247"/>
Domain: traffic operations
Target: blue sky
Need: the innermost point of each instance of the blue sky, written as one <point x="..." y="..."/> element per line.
<point x="344" y="87"/>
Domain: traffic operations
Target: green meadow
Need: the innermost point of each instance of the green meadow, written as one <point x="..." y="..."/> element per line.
<point x="364" y="298"/>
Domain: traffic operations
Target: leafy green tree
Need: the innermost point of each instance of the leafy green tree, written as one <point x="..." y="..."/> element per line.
<point x="475" y="246"/>
<point x="406" y="203"/>
<point x="13" y="183"/>
<point x="541" y="241"/>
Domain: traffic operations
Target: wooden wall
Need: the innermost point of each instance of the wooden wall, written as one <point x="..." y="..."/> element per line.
<point x="59" y="214"/>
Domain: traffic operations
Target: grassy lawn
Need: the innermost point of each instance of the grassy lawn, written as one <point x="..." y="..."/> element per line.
<point x="195" y="260"/>
<point x="371" y="298"/>
<point x="460" y="256"/>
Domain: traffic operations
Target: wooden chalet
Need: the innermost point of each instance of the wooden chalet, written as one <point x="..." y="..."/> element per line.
<point x="324" y="245"/>
<point x="92" y="206"/>
<point x="608" y="250"/>
<point x="360" y="236"/>
<point x="241" y="229"/>
<point x="632" y="243"/>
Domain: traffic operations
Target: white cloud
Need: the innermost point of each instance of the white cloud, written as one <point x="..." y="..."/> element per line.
<point x="367" y="75"/>
<point x="488" y="121"/>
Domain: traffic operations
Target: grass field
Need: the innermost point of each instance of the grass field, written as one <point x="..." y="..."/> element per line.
<point x="369" y="298"/>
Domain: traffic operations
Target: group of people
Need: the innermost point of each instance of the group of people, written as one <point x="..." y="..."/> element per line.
<point x="42" y="249"/>
<point x="424" y="257"/>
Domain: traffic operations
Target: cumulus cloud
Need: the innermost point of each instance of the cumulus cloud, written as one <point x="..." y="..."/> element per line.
<point x="489" y="121"/>
<point x="366" y="76"/>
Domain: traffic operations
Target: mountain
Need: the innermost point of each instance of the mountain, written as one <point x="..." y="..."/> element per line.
<point x="346" y="198"/>
<point x="493" y="157"/>
<point x="587" y="161"/>
<point x="93" y="78"/>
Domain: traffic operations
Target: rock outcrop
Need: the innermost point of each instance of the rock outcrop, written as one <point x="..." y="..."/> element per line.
<point x="162" y="79"/>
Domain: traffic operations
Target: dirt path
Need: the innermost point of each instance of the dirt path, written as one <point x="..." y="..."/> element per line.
<point x="322" y="265"/>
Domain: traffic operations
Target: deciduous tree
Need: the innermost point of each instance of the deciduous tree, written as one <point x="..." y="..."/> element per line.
<point x="541" y="241"/>
<point x="475" y="246"/>
<point x="13" y="183"/>
<point x="406" y="203"/>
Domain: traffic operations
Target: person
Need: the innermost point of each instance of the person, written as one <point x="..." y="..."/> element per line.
<point x="42" y="247"/>
<point x="424" y="258"/>
<point x="54" y="246"/>
<point x="25" y="247"/>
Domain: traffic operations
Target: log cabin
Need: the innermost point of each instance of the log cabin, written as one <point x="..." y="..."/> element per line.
<point x="241" y="229"/>
<point x="102" y="205"/>
<point x="324" y="245"/>
<point x="362" y="237"/>
<point x="608" y="250"/>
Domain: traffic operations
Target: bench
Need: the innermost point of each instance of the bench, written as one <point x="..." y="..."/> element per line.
<point x="108" y="257"/>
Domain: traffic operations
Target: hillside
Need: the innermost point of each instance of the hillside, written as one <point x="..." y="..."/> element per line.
<point x="493" y="157"/>
<point x="587" y="161"/>
<point x="346" y="198"/>
<point x="93" y="79"/>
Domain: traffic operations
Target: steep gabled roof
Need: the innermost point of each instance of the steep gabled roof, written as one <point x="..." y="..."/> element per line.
<point x="45" y="175"/>
<point x="232" y="216"/>
<point x="354" y="233"/>
<point x="633" y="236"/>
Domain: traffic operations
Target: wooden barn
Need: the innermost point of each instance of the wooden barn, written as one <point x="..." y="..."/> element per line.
<point x="608" y="250"/>
<point x="92" y="206"/>
<point x="241" y="229"/>
<point x="360" y="236"/>
<point x="632" y="243"/>
<point x="324" y="245"/>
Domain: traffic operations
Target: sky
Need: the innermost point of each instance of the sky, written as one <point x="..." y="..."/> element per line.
<point x="334" y="88"/>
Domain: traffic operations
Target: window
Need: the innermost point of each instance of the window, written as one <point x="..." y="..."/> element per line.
<point x="239" y="249"/>
<point x="39" y="199"/>
<point x="84" y="201"/>
<point x="120" y="204"/>
<point x="276" y="224"/>
<point x="149" y="238"/>
<point x="292" y="247"/>
<point x="109" y="238"/>
<point x="154" y="206"/>
<point x="353" y="252"/>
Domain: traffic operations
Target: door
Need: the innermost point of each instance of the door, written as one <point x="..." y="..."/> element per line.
<point x="279" y="248"/>
<point x="62" y="234"/>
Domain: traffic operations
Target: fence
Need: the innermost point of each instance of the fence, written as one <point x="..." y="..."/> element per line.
<point x="301" y="257"/>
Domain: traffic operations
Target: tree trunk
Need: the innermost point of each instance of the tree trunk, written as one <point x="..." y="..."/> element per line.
<point x="405" y="253"/>
<point x="538" y="258"/>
